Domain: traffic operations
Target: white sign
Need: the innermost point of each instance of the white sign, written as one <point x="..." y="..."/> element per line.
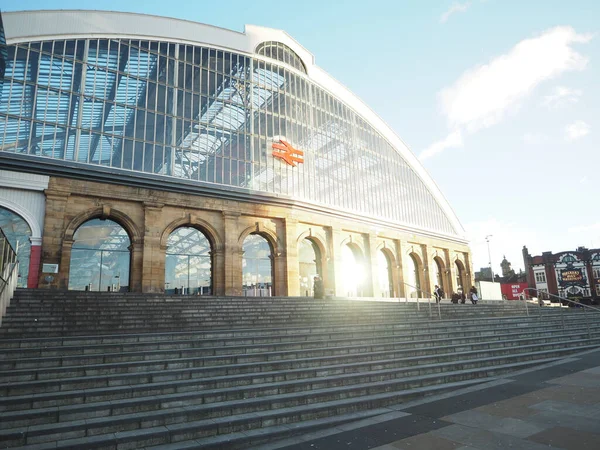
<point x="49" y="268"/>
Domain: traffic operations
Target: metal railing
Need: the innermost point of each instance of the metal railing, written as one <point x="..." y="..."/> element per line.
<point x="9" y="273"/>
<point x="561" y="299"/>
<point x="428" y="296"/>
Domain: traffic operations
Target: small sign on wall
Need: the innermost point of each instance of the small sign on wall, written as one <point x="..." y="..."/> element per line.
<point x="49" y="268"/>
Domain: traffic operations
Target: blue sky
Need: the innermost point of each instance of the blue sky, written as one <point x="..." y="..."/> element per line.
<point x="499" y="98"/>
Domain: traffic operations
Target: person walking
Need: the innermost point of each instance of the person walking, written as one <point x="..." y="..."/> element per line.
<point x="438" y="293"/>
<point x="318" y="288"/>
<point x="473" y="295"/>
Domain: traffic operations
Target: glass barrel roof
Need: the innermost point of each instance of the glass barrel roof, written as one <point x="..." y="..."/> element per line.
<point x="203" y="114"/>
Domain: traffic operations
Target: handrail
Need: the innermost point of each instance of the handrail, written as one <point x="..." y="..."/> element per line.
<point x="9" y="273"/>
<point x="585" y="307"/>
<point x="560" y="298"/>
<point x="429" y="296"/>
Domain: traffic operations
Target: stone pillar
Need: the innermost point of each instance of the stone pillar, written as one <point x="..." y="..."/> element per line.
<point x="35" y="257"/>
<point x="52" y="240"/>
<point x="280" y="286"/>
<point x="148" y="258"/>
<point x="468" y="272"/>
<point x="373" y="266"/>
<point x="426" y="286"/>
<point x="401" y="291"/>
<point x="449" y="287"/>
<point x="335" y="262"/>
<point x="232" y="257"/>
<point x="292" y="271"/>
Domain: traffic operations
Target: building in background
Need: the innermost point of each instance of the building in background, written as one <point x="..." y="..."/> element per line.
<point x="153" y="154"/>
<point x="570" y="274"/>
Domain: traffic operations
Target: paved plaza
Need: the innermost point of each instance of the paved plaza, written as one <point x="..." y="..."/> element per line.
<point x="556" y="406"/>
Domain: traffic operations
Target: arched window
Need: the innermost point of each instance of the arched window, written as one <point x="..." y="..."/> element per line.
<point x="257" y="267"/>
<point x="385" y="278"/>
<point x="413" y="285"/>
<point x="309" y="260"/>
<point x="188" y="265"/>
<point x="282" y="53"/>
<point x="353" y="271"/>
<point x="100" y="257"/>
<point x="438" y="268"/>
<point x="18" y="233"/>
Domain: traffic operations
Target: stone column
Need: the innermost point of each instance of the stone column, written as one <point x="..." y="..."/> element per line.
<point x="335" y="262"/>
<point x="52" y="240"/>
<point x="373" y="267"/>
<point x="426" y="286"/>
<point x="232" y="257"/>
<point x="449" y="287"/>
<point x="468" y="272"/>
<point x="401" y="291"/>
<point x="148" y="258"/>
<point x="292" y="271"/>
<point x="280" y="286"/>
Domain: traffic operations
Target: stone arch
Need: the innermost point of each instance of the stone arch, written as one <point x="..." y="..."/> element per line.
<point x="104" y="212"/>
<point x="34" y="226"/>
<point x="205" y="227"/>
<point x="268" y="234"/>
<point x="393" y="265"/>
<point x="461" y="275"/>
<point x="443" y="272"/>
<point x="419" y="281"/>
<point x="318" y="240"/>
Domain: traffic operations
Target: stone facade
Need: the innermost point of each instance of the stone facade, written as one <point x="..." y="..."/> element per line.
<point x="149" y="216"/>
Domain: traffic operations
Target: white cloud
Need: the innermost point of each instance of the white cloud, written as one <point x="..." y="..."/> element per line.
<point x="584" y="180"/>
<point x="483" y="95"/>
<point x="576" y="130"/>
<point x="535" y="138"/>
<point x="455" y="8"/>
<point x="561" y="96"/>
<point x="453" y="140"/>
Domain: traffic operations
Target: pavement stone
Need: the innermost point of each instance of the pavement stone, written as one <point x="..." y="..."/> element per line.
<point x="552" y="408"/>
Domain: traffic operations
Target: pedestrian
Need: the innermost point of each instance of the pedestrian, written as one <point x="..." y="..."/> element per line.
<point x="438" y="293"/>
<point x="455" y="298"/>
<point x="473" y="295"/>
<point x="318" y="288"/>
<point x="463" y="299"/>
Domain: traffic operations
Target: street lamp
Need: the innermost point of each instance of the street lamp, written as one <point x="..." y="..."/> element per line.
<point x="487" y="239"/>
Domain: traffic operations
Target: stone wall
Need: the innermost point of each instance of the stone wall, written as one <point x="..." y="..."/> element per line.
<point x="149" y="216"/>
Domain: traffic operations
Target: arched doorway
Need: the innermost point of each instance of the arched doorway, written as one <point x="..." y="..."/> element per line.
<point x="384" y="274"/>
<point x="353" y="271"/>
<point x="413" y="283"/>
<point x="438" y="275"/>
<point x="188" y="265"/>
<point x="460" y="276"/>
<point x="100" y="257"/>
<point x="257" y="267"/>
<point x="18" y="233"/>
<point x="309" y="261"/>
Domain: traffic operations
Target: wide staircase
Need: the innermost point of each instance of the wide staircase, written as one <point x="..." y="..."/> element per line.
<point x="107" y="370"/>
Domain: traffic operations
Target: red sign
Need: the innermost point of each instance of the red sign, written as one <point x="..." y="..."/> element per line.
<point x="284" y="150"/>
<point x="512" y="291"/>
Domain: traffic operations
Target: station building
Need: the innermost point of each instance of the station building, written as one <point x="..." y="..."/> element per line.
<point x="151" y="154"/>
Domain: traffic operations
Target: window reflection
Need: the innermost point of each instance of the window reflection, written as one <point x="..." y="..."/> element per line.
<point x="205" y="115"/>
<point x="100" y="257"/>
<point x="257" y="272"/>
<point x="188" y="263"/>
<point x="309" y="259"/>
<point x="413" y="282"/>
<point x="386" y="284"/>
<point x="18" y="233"/>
